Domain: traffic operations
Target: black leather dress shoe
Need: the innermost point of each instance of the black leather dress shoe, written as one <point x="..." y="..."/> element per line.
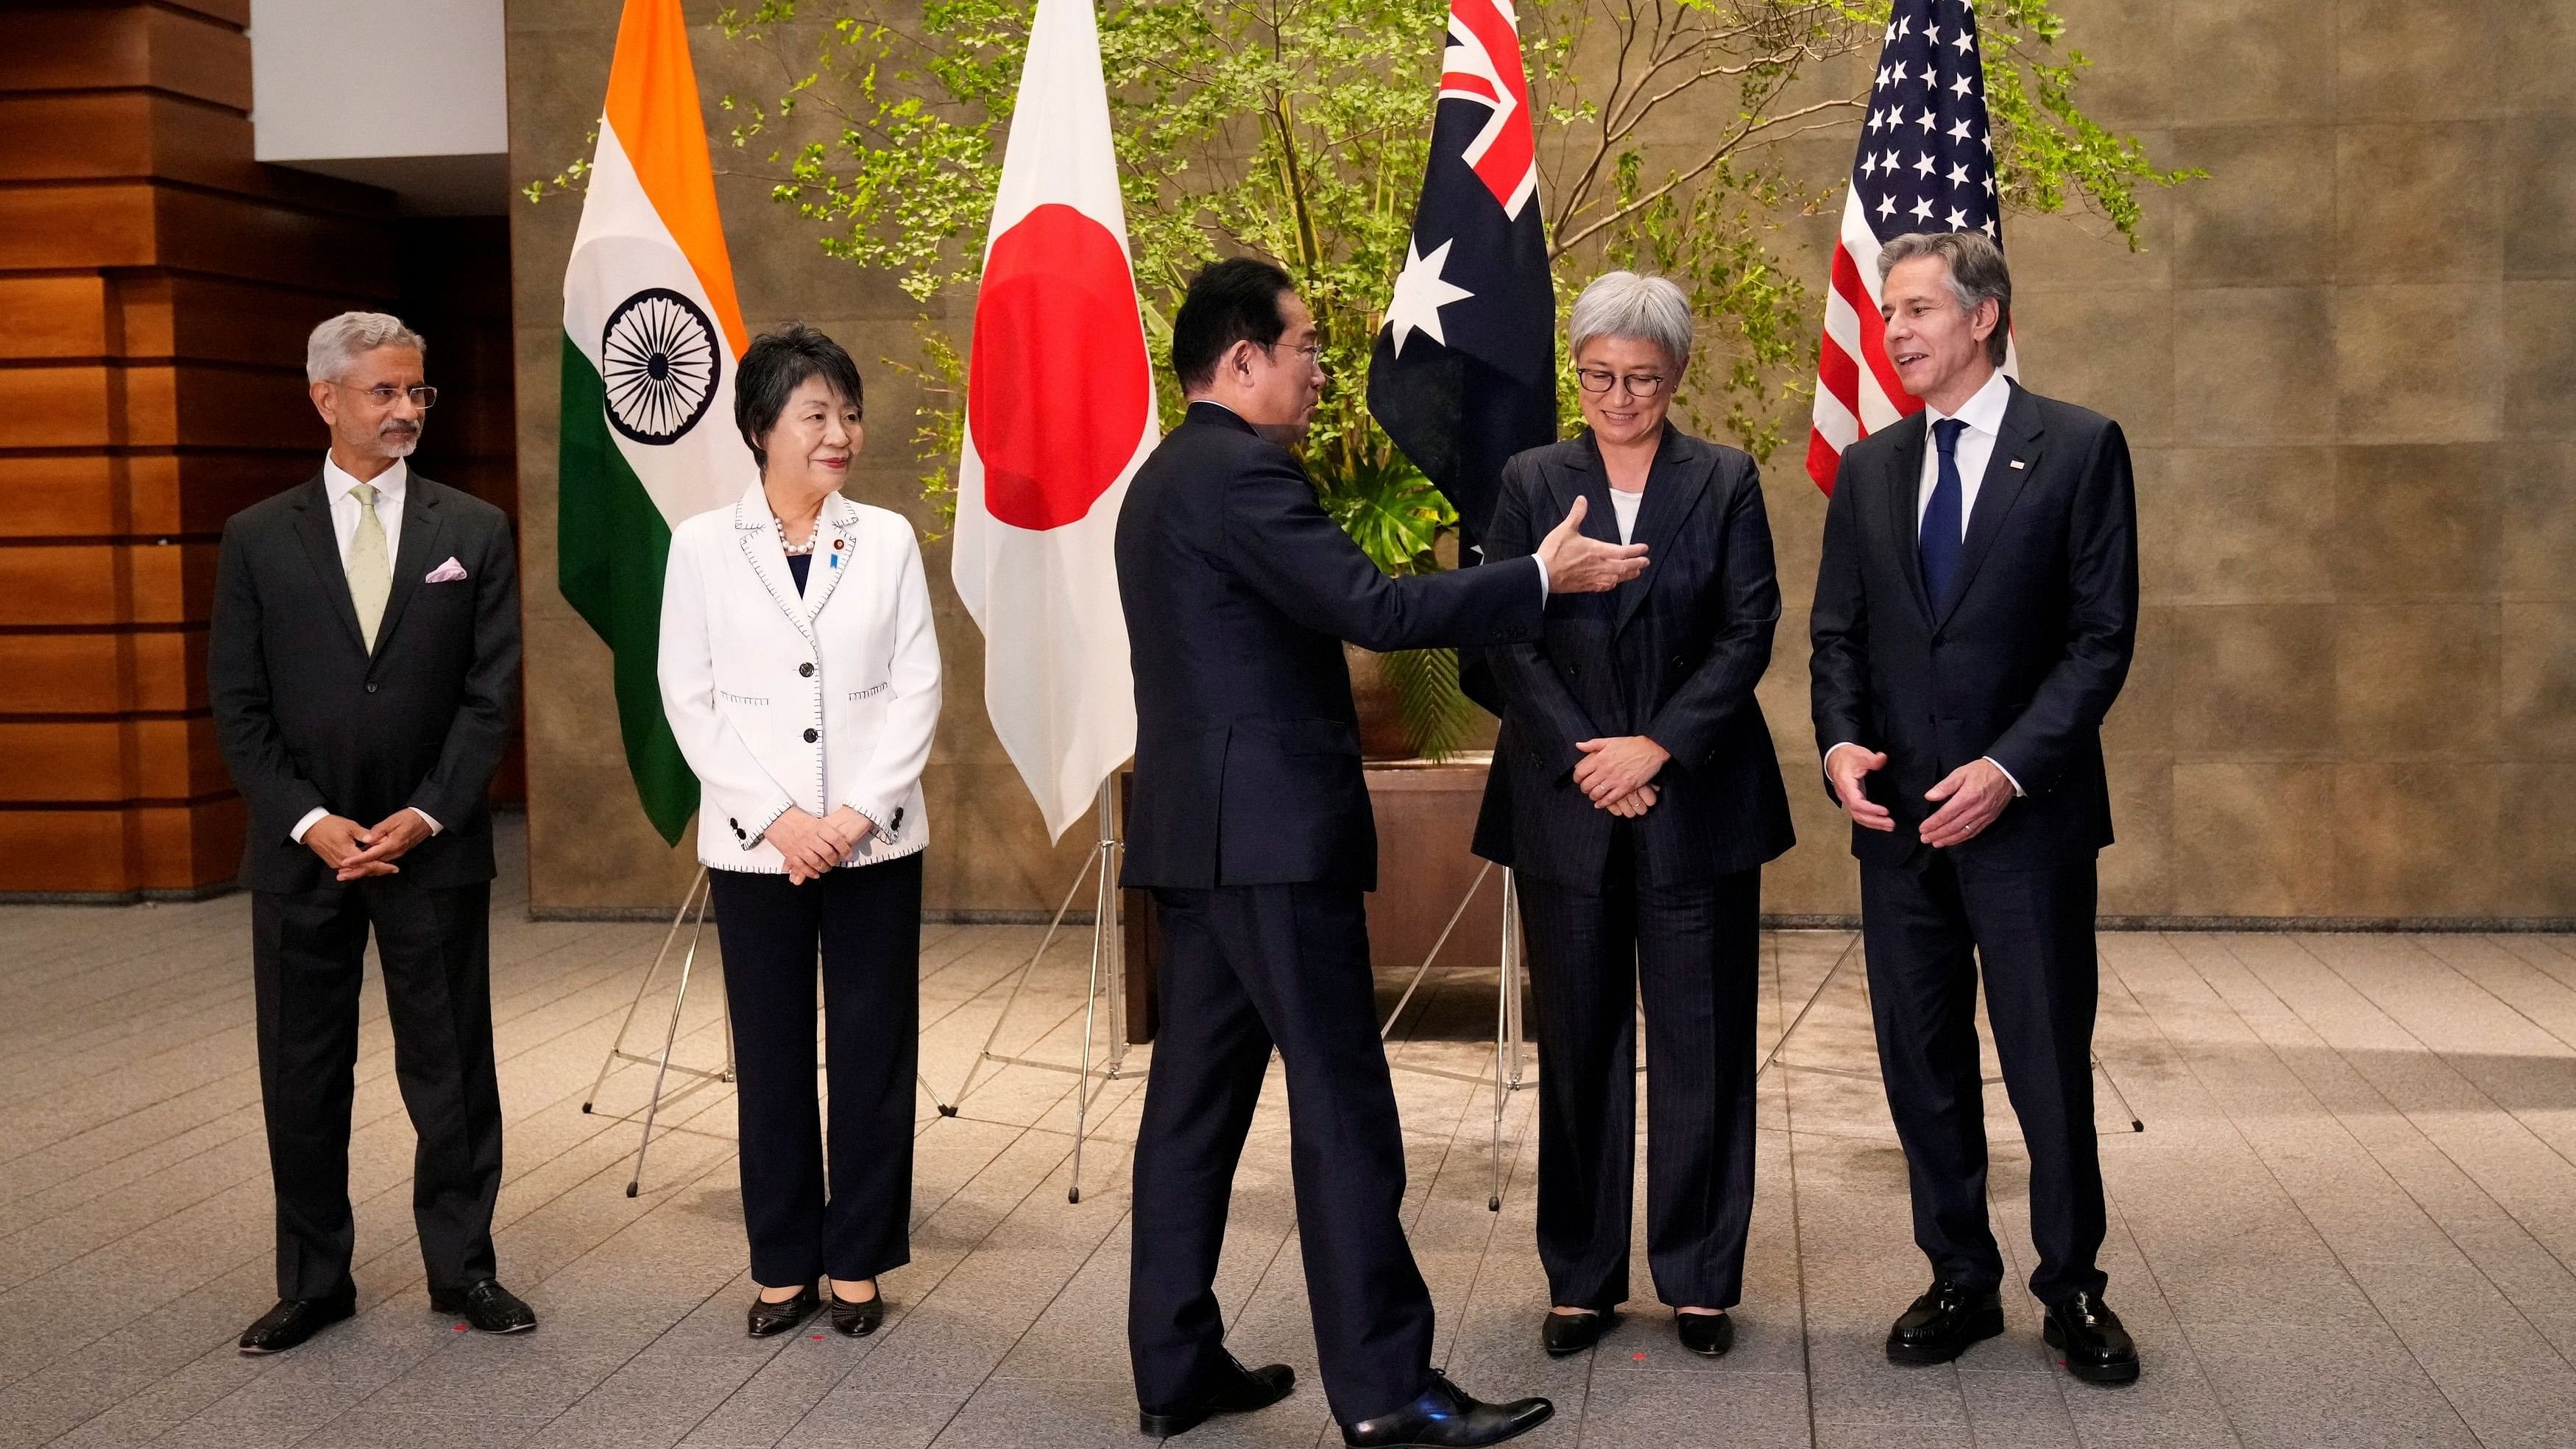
<point x="487" y="1305"/>
<point x="768" y="1320"/>
<point x="1239" y="1391"/>
<point x="1567" y="1333"/>
<point x="2098" y="1349"/>
<point x="1448" y="1416"/>
<point x="294" y="1320"/>
<point x="1943" y="1322"/>
<point x="1706" y="1334"/>
<point x="857" y="1320"/>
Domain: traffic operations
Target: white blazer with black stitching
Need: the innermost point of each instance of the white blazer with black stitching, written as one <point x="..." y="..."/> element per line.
<point x="808" y="701"/>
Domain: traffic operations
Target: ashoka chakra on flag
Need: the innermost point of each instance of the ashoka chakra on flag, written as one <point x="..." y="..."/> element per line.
<point x="659" y="361"/>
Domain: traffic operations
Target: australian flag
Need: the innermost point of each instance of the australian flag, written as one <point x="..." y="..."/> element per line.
<point x="1464" y="373"/>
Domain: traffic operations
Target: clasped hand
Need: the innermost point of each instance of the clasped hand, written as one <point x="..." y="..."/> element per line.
<point x="354" y="852"/>
<point x="1617" y="772"/>
<point x="812" y="845"/>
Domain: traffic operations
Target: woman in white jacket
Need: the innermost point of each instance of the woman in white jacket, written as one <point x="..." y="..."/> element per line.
<point x="800" y="673"/>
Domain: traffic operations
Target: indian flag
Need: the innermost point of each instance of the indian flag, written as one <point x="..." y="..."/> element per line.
<point x="651" y="336"/>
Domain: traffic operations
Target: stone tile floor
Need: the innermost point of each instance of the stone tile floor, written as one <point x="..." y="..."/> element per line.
<point x="2351" y="1219"/>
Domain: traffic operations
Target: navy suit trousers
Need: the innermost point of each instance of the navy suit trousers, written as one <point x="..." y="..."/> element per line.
<point x="1927" y="926"/>
<point x="1243" y="968"/>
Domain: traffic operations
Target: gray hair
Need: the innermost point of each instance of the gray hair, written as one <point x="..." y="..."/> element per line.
<point x="1977" y="274"/>
<point x="338" y="342"/>
<point x="1641" y="308"/>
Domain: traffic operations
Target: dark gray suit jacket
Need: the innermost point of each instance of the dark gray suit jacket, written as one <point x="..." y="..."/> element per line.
<point x="307" y="716"/>
<point x="1673" y="654"/>
<point x="2022" y="661"/>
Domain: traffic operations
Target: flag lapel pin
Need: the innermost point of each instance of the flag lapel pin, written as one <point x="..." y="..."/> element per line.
<point x="2016" y="462"/>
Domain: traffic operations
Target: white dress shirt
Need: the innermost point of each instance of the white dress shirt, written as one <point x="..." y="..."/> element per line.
<point x="390" y="486"/>
<point x="1983" y="413"/>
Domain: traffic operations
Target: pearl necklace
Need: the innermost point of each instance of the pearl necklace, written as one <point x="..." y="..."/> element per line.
<point x="779" y="526"/>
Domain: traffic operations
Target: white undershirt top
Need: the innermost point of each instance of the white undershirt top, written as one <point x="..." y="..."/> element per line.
<point x="1626" y="504"/>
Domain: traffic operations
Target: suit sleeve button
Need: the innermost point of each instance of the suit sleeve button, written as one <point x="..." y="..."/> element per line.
<point x="371" y="686"/>
<point x="807" y="670"/>
<point x="811" y="737"/>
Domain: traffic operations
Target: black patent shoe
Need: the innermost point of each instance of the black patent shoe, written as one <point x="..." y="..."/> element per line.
<point x="1572" y="1333"/>
<point x="857" y="1320"/>
<point x="1238" y="1391"/>
<point x="485" y="1304"/>
<point x="1447" y="1416"/>
<point x="768" y="1320"/>
<point x="1706" y="1334"/>
<point x="2096" y="1346"/>
<point x="294" y="1320"/>
<point x="1943" y="1322"/>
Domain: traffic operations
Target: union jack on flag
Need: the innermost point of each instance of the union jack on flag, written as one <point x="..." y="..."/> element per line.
<point x="1926" y="164"/>
<point x="1464" y="371"/>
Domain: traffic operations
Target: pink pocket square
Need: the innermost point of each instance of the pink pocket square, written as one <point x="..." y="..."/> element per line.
<point x="446" y="573"/>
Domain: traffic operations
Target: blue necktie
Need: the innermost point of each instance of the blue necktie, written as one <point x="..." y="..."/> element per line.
<point x="1939" y="542"/>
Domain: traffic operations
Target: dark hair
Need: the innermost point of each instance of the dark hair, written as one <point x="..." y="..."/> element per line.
<point x="1235" y="300"/>
<point x="775" y="365"/>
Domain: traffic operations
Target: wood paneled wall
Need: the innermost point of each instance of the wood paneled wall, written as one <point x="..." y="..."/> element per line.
<point x="156" y="285"/>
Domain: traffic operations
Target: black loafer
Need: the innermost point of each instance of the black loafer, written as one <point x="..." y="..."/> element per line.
<point x="1448" y="1417"/>
<point x="1571" y="1333"/>
<point x="294" y="1320"/>
<point x="485" y="1304"/>
<point x="857" y="1320"/>
<point x="768" y="1320"/>
<point x="2097" y="1346"/>
<point x="1239" y="1391"/>
<point x="1706" y="1334"/>
<point x="1943" y="1322"/>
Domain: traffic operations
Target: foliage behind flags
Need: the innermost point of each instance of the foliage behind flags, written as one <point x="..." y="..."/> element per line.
<point x="1464" y="371"/>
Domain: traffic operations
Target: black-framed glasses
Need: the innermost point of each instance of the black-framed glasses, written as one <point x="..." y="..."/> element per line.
<point x="384" y="394"/>
<point x="1599" y="380"/>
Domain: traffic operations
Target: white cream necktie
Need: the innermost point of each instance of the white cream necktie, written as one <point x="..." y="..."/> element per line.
<point x="371" y="572"/>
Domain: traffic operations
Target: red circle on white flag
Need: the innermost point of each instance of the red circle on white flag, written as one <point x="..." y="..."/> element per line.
<point x="1057" y="390"/>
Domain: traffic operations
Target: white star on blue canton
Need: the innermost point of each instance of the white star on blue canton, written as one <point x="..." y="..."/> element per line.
<point x="1959" y="174"/>
<point x="1887" y="205"/>
<point x="1959" y="132"/>
<point x="1923" y="164"/>
<point x="1966" y="41"/>
<point x="1960" y="87"/>
<point x="1923" y="210"/>
<point x="1924" y="120"/>
<point x="1958" y="219"/>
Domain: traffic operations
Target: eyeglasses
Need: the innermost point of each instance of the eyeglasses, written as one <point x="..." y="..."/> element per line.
<point x="1639" y="385"/>
<point x="1310" y="354"/>
<point x="384" y="394"/>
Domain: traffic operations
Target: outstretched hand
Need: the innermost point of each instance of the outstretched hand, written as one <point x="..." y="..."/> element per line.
<point x="1577" y="564"/>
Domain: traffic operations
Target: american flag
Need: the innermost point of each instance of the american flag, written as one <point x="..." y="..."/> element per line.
<point x="1926" y="164"/>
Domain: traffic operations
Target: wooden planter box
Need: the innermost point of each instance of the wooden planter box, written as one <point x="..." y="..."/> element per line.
<point x="1426" y="825"/>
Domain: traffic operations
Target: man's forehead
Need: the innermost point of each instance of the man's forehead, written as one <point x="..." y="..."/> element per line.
<point x="385" y="362"/>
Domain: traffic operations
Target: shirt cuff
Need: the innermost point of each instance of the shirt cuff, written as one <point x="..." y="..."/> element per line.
<point x="2018" y="792"/>
<point x="297" y="834"/>
<point x="1542" y="582"/>
<point x="1839" y="745"/>
<point x="428" y="819"/>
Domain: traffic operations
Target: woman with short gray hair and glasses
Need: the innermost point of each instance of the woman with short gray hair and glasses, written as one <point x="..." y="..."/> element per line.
<point x="1636" y="796"/>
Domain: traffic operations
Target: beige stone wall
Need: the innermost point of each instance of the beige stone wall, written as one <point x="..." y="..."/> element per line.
<point x="2343" y="362"/>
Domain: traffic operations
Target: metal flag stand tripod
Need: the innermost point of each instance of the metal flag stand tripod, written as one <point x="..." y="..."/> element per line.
<point x="1508" y="1024"/>
<point x="700" y="894"/>
<point x="1108" y="960"/>
<point x="1773" y="1058"/>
